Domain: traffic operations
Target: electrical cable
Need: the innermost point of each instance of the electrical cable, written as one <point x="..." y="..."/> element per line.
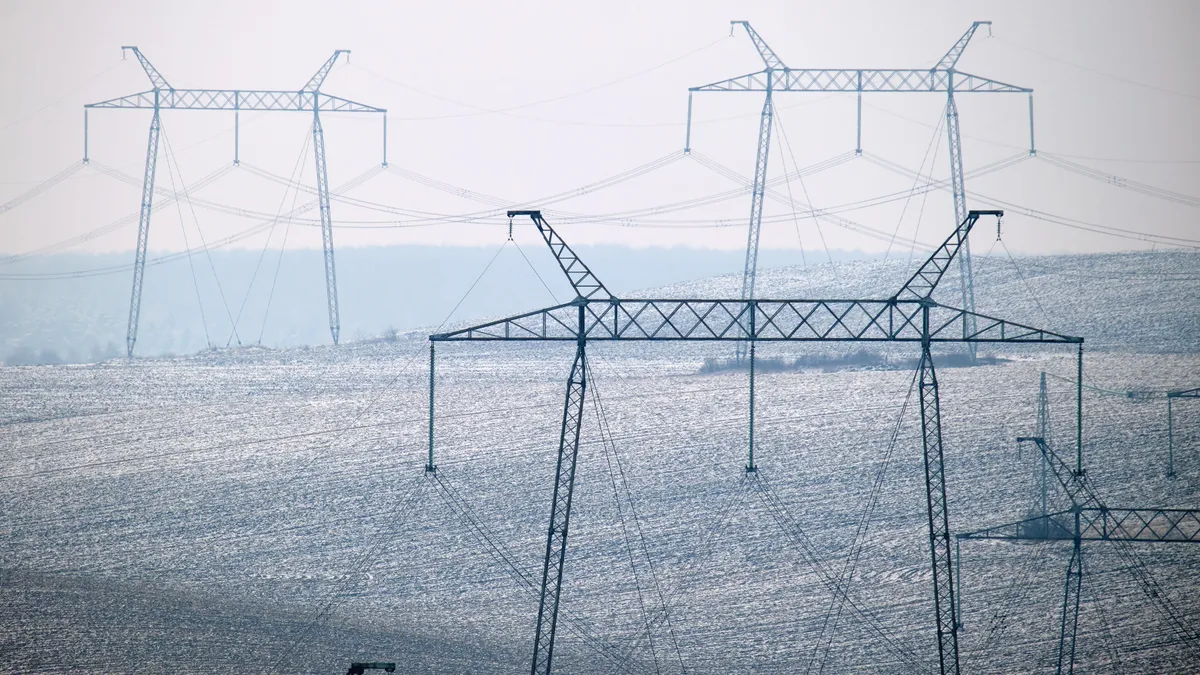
<point x="278" y="264"/>
<point x="128" y="219"/>
<point x="1017" y="595"/>
<point x="606" y="431"/>
<point x="858" y="541"/>
<point x="187" y="249"/>
<point x="368" y="557"/>
<point x="925" y="197"/>
<point x="85" y="83"/>
<point x="1093" y="71"/>
<point x="502" y="111"/>
<point x="930" y="154"/>
<point x="297" y="167"/>
<point x="169" y="257"/>
<point x="1053" y="218"/>
<point x="835" y="219"/>
<point x="796" y="535"/>
<point x="41" y="187"/>
<point x="170" y="156"/>
<point x="459" y="505"/>
<point x="792" y="201"/>
<point x="637" y="583"/>
<point x="1121" y="182"/>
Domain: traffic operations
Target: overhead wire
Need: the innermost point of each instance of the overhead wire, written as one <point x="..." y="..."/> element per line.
<point x="459" y="505"/>
<point x="165" y="258"/>
<point x="187" y="249"/>
<point x="799" y="538"/>
<point x="298" y="167"/>
<point x="1120" y="181"/>
<point x="925" y="199"/>
<point x="170" y="157"/>
<point x="637" y="582"/>
<point x="115" y="225"/>
<point x="807" y="199"/>
<point x="792" y="201"/>
<point x="858" y="541"/>
<point x="397" y="518"/>
<point x="480" y="110"/>
<point x="930" y="154"/>
<point x="278" y="264"/>
<point x="1094" y="71"/>
<point x="85" y="83"/>
<point x="41" y="187"/>
<point x="833" y="218"/>
<point x="610" y="450"/>
<point x="1053" y="218"/>
<point x="1016" y="596"/>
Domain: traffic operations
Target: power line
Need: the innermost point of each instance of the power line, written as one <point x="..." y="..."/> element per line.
<point x="1101" y="73"/>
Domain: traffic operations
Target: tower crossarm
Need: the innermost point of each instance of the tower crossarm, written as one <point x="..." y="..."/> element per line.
<point x="156" y="78"/>
<point x="951" y="58"/>
<point x="1185" y="393"/>
<point x="314" y="83"/>
<point x="1181" y="526"/>
<point x="614" y="319"/>
<point x="586" y="284"/>
<point x="863" y="80"/>
<point x="926" y="278"/>
<point x="237" y="99"/>
<point x="770" y="59"/>
<point x="1074" y="483"/>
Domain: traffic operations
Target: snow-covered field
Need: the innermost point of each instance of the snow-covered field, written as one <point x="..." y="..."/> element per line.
<point x="267" y="510"/>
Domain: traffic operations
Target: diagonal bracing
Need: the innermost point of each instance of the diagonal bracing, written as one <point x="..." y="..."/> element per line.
<point x="308" y="99"/>
<point x="943" y="78"/>
<point x="909" y="316"/>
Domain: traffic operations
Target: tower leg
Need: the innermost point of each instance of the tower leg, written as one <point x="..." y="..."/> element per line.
<point x="939" y="521"/>
<point x="430" y="467"/>
<point x="1070" y="610"/>
<point x="1043" y="423"/>
<point x="335" y="325"/>
<point x="756" y="205"/>
<point x="958" y="189"/>
<point x="751" y="467"/>
<point x="858" y="137"/>
<point x="1170" y="441"/>
<point x="139" y="260"/>
<point x="560" y="515"/>
<point x="687" y="139"/>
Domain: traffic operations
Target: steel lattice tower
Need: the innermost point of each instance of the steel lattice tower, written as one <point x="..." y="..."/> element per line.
<point x="941" y="78"/>
<point x="910" y="316"/>
<point x="162" y="96"/>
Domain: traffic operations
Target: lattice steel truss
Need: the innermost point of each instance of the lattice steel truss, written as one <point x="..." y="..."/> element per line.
<point x="308" y="99"/>
<point x="909" y="316"/>
<point x="943" y="78"/>
<point x="1089" y="519"/>
<point x="1171" y="398"/>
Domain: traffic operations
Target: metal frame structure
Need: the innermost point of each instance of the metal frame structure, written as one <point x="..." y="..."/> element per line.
<point x="162" y="96"/>
<point x="1171" y="396"/>
<point x="910" y="316"/>
<point x="777" y="77"/>
<point x="1089" y="519"/>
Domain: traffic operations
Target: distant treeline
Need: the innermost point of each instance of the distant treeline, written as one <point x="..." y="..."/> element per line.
<point x="861" y="359"/>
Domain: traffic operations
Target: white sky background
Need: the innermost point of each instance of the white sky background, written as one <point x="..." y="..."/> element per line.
<point x="439" y="68"/>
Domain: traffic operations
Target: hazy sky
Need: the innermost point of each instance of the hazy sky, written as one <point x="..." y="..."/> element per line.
<point x="521" y="100"/>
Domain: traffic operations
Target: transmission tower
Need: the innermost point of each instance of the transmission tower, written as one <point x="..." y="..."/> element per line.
<point x="910" y="316"/>
<point x="941" y="78"/>
<point x="1089" y="519"/>
<point x="1171" y="396"/>
<point x="162" y="96"/>
<point x="1043" y="430"/>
